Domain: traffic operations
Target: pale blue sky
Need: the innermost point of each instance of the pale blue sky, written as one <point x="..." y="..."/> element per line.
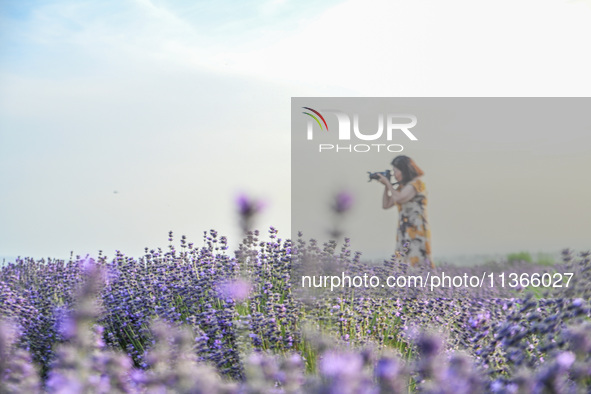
<point x="181" y="105"/>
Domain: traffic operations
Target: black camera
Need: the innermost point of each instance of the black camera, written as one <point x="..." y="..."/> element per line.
<point x="374" y="175"/>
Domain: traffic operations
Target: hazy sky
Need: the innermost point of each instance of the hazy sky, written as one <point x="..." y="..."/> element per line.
<point x="179" y="106"/>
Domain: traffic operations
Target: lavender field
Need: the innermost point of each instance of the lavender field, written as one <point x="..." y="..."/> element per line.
<point x="202" y="319"/>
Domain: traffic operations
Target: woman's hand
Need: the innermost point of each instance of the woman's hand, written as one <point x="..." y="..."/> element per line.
<point x="383" y="180"/>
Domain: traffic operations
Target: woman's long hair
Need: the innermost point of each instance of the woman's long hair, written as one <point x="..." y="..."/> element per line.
<point x="407" y="167"/>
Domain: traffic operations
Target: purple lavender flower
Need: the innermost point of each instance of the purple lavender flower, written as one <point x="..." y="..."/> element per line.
<point x="341" y="365"/>
<point x="248" y="208"/>
<point x="237" y="289"/>
<point x="428" y="344"/>
<point x="64" y="322"/>
<point x="565" y="359"/>
<point x="343" y="202"/>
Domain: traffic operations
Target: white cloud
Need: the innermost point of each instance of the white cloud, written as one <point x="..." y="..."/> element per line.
<point x="418" y="48"/>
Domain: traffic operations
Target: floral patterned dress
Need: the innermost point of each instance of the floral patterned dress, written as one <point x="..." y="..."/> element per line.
<point x="413" y="227"/>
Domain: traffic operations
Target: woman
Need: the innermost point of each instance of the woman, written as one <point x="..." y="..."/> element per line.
<point x="411" y="199"/>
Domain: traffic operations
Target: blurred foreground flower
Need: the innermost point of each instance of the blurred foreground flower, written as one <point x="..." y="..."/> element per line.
<point x="342" y="203"/>
<point x="247" y="209"/>
<point x="237" y="289"/>
<point x="175" y="368"/>
<point x="18" y="374"/>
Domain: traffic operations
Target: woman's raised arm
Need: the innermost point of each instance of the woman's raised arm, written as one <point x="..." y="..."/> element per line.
<point x="392" y="196"/>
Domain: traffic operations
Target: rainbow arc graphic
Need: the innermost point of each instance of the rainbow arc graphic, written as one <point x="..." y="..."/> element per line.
<point x="315" y="118"/>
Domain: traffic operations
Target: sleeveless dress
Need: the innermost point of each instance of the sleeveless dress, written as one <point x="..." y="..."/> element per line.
<point x="413" y="228"/>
